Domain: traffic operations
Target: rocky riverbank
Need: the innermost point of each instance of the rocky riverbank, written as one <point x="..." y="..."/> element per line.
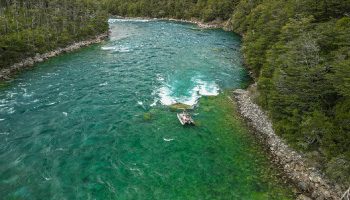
<point x="309" y="180"/>
<point x="29" y="62"/>
<point x="203" y="25"/>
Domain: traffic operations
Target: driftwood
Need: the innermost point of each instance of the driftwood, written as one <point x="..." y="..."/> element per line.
<point x="346" y="195"/>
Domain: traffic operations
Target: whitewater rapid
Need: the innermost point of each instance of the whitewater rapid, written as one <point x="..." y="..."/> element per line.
<point x="166" y="95"/>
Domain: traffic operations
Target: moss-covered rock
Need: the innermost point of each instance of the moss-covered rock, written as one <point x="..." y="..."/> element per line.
<point x="179" y="106"/>
<point x="147" y="116"/>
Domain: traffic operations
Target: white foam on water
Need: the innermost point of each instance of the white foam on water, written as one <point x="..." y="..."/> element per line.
<point x="140" y="103"/>
<point x="154" y="103"/>
<point x="107" y="48"/>
<point x="191" y="101"/>
<point x="2" y="120"/>
<point x="165" y="96"/>
<point x="159" y="77"/>
<point x="3" y="102"/>
<point x="11" y="110"/>
<point x="28" y="94"/>
<point x="47" y="178"/>
<point x="104" y="84"/>
<point x="65" y="114"/>
<point x="207" y="88"/>
<point x="111" y="21"/>
<point x="201" y="88"/>
<point x="50" y="104"/>
<point x="5" y="133"/>
<point x="168" y="139"/>
<point x="121" y="49"/>
<point x="11" y="94"/>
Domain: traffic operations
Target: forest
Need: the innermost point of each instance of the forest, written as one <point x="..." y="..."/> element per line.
<point x="28" y="27"/>
<point x="298" y="51"/>
<point x="300" y="54"/>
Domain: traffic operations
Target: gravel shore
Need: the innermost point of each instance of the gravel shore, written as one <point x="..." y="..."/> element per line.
<point x="29" y="62"/>
<point x="307" y="179"/>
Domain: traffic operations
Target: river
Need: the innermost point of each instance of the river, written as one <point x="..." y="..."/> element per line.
<point x="96" y="123"/>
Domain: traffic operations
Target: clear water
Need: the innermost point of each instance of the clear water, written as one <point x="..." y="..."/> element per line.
<point x="95" y="124"/>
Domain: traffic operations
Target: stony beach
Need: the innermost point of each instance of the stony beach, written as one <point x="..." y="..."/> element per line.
<point x="29" y="62"/>
<point x="307" y="179"/>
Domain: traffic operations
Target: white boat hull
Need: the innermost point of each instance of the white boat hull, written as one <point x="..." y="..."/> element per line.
<point x="180" y="117"/>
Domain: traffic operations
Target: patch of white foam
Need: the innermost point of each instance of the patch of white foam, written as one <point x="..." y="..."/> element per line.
<point x="5" y="133"/>
<point x="140" y="103"/>
<point x="111" y="21"/>
<point x="154" y="103"/>
<point x="201" y="88"/>
<point x="107" y="48"/>
<point x="65" y="114"/>
<point x="50" y="104"/>
<point x="11" y="94"/>
<point x="11" y="110"/>
<point x="191" y="100"/>
<point x="159" y="77"/>
<point x="2" y="120"/>
<point x="121" y="49"/>
<point x="168" y="139"/>
<point x="27" y="95"/>
<point x="104" y="84"/>
<point x="165" y="96"/>
<point x="207" y="88"/>
<point x="47" y="178"/>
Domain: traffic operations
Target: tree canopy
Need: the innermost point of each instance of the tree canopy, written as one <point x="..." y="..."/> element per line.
<point x="300" y="54"/>
<point x="30" y="27"/>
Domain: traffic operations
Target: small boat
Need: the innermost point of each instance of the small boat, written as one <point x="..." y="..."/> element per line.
<point x="185" y="118"/>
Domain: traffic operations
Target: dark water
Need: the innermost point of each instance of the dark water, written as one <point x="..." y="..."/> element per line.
<point x="95" y="124"/>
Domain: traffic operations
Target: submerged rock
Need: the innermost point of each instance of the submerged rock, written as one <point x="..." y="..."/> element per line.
<point x="180" y="106"/>
<point x="147" y="116"/>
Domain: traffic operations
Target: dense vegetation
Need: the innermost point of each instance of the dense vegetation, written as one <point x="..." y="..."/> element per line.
<point x="206" y="10"/>
<point x="299" y="52"/>
<point x="37" y="26"/>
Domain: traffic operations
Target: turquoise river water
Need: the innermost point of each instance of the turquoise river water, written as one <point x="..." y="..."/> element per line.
<point x="96" y="123"/>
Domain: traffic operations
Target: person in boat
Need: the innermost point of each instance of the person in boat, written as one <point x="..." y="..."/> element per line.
<point x="186" y="117"/>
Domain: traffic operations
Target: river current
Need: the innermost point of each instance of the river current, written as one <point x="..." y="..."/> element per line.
<point x="97" y="123"/>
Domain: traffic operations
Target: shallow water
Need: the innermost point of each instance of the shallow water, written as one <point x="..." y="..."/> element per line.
<point x="95" y="124"/>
